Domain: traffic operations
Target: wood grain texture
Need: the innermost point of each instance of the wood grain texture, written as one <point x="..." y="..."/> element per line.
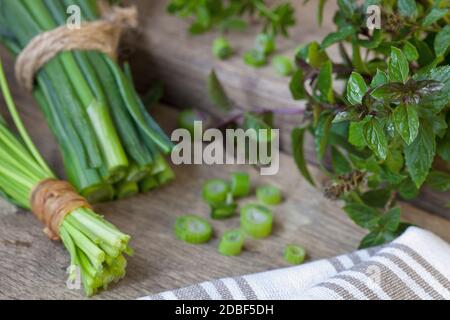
<point x="167" y="52"/>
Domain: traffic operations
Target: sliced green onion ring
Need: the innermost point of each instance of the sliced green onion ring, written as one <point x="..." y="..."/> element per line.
<point x="193" y="229"/>
<point x="240" y="184"/>
<point x="231" y="243"/>
<point x="215" y="192"/>
<point x="256" y="220"/>
<point x="294" y="254"/>
<point x="269" y="195"/>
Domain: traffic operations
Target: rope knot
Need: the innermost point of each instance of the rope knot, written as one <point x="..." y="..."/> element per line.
<point x="101" y="35"/>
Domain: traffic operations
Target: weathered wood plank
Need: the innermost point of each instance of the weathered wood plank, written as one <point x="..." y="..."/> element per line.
<point x="34" y="268"/>
<point x="167" y="52"/>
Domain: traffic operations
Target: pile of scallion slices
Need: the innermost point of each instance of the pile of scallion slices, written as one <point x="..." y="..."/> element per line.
<point x="256" y="220"/>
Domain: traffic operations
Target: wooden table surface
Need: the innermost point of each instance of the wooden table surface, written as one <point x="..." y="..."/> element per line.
<point x="32" y="267"/>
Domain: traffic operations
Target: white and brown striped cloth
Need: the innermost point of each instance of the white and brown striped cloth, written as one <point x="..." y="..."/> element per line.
<point x="414" y="266"/>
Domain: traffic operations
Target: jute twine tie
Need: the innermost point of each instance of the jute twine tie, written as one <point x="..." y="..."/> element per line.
<point x="102" y="35"/>
<point x="51" y="201"/>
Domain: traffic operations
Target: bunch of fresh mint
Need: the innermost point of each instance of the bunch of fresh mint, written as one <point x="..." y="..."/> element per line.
<point x="380" y="138"/>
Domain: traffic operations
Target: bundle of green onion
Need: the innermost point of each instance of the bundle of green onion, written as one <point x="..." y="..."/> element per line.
<point x="111" y="146"/>
<point x="96" y="247"/>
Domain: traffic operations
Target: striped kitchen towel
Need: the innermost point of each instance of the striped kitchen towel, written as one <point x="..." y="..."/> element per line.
<point x="414" y="266"/>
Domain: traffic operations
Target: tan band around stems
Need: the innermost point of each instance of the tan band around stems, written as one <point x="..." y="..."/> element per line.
<point x="102" y="35"/>
<point x="51" y="201"/>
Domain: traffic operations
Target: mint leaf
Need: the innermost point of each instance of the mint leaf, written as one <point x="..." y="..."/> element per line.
<point x="407" y="189"/>
<point x="337" y="36"/>
<point x="437" y="100"/>
<point x="407" y="8"/>
<point x="442" y="41"/>
<point x="347" y="7"/>
<point x="217" y="93"/>
<point x="439" y="180"/>
<point x="380" y="78"/>
<point x="376" y="138"/>
<point x="316" y="57"/>
<point x="340" y="163"/>
<point x="356" y="89"/>
<point x="356" y="134"/>
<point x="398" y="66"/>
<point x="321" y="134"/>
<point x="298" y="138"/>
<point x="434" y="15"/>
<point x="390" y="220"/>
<point x="325" y="83"/>
<point x="297" y="85"/>
<point x="363" y="215"/>
<point x="376" y="198"/>
<point x="376" y="238"/>
<point x="443" y="147"/>
<point x="419" y="155"/>
<point x="406" y="122"/>
<point x="410" y="51"/>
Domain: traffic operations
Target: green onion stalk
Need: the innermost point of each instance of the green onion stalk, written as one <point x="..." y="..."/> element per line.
<point x="106" y="136"/>
<point x="96" y="247"/>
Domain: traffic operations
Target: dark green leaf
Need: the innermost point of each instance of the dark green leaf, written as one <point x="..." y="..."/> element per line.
<point x="347" y="115"/>
<point x="406" y="122"/>
<point x="437" y="100"/>
<point x="408" y="190"/>
<point x="321" y="135"/>
<point x="434" y="15"/>
<point x="356" y="89"/>
<point x="390" y="221"/>
<point x="363" y="215"/>
<point x="234" y="24"/>
<point x="439" y="180"/>
<point x="394" y="161"/>
<point x="373" y="42"/>
<point x="391" y="92"/>
<point x="426" y="55"/>
<point x="443" y="147"/>
<point x="297" y="85"/>
<point x="398" y="66"/>
<point x="337" y="36"/>
<point x="380" y="79"/>
<point x="347" y="7"/>
<point x="419" y="155"/>
<point x="356" y="134"/>
<point x="324" y="85"/>
<point x="407" y="8"/>
<point x="297" y="138"/>
<point x="217" y="93"/>
<point x="340" y="163"/>
<point x="320" y="10"/>
<point x="376" y="198"/>
<point x="410" y="51"/>
<point x="442" y="41"/>
<point x="376" y="138"/>
<point x="316" y="57"/>
<point x="376" y="238"/>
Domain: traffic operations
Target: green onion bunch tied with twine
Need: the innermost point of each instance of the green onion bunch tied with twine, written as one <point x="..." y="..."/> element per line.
<point x="111" y="147"/>
<point x="96" y="247"/>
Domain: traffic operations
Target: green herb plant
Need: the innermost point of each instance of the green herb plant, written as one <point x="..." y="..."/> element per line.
<point x="379" y="137"/>
<point x="226" y="15"/>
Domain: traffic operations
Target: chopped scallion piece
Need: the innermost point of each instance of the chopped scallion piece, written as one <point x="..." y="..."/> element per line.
<point x="215" y="192"/>
<point x="231" y="243"/>
<point x="256" y="221"/>
<point x="269" y="195"/>
<point x="294" y="254"/>
<point x="193" y="229"/>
